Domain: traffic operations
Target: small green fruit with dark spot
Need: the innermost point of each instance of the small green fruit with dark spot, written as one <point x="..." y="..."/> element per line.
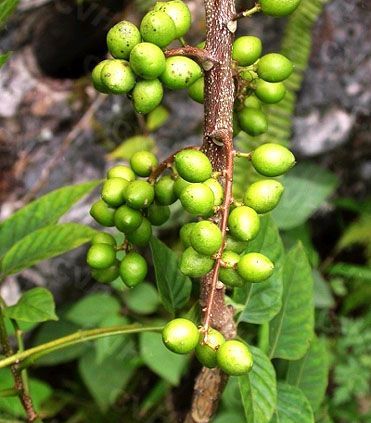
<point x="118" y="77"/>
<point x="139" y="194"/>
<point x="255" y="267"/>
<point x="243" y="223"/>
<point x="147" y="60"/>
<point x="272" y="159"/>
<point x="158" y="28"/>
<point x="179" y="13"/>
<point x="180" y="72"/>
<point x="206" y="352"/>
<point x="234" y="358"/>
<point x="122" y="38"/>
<point x="180" y="336"/>
<point x="143" y="162"/>
<point x="147" y="95"/>
<point x="263" y="196"/>
<point x="96" y="77"/>
<point x="193" y="165"/>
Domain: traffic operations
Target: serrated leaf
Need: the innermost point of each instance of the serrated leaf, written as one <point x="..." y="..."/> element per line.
<point x="159" y="359"/>
<point x="174" y="288"/>
<point x="306" y="187"/>
<point x="292" y="406"/>
<point x="6" y="9"/>
<point x="41" y="212"/>
<point x="258" y="389"/>
<point x="35" y="305"/>
<point x="4" y="58"/>
<point x="157" y="118"/>
<point x="291" y="331"/>
<point x="262" y="301"/>
<point x="130" y="146"/>
<point x="43" y="244"/>
<point x="310" y="373"/>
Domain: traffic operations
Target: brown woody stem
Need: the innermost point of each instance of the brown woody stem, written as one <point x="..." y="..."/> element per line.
<point x="200" y="55"/>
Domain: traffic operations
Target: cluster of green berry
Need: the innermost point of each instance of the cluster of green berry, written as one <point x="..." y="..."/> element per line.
<point x="139" y="66"/>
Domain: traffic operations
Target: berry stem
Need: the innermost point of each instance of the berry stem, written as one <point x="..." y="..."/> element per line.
<point x="200" y="55"/>
<point x="247" y="13"/>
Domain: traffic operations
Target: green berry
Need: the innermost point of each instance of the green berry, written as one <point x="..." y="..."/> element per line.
<point x="228" y="273"/>
<point x="272" y="159"/>
<point x="194" y="264"/>
<point x="252" y="102"/>
<point x="107" y="275"/>
<point x="158" y="28"/>
<point x="206" y="351"/>
<point x="147" y="95"/>
<point x="235" y="245"/>
<point x="102" y="213"/>
<point x="263" y="196"/>
<point x="270" y="92"/>
<point x="243" y="223"/>
<point x="179" y="185"/>
<point x="118" y="77"/>
<point x="101" y="256"/>
<point x="193" y="165"/>
<point x="142" y="235"/>
<point x="234" y="358"/>
<point x="139" y="194"/>
<point x="197" y="199"/>
<point x="127" y="219"/>
<point x="104" y="238"/>
<point x="113" y="190"/>
<point x="217" y="190"/>
<point x="196" y="90"/>
<point x="255" y="267"/>
<point x="143" y="162"/>
<point x="158" y="214"/>
<point x="206" y="238"/>
<point x="147" y="60"/>
<point x="121" y="171"/>
<point x="185" y="234"/>
<point x="164" y="191"/>
<point x="133" y="269"/>
<point x="253" y="121"/>
<point x="179" y="13"/>
<point x="274" y="67"/>
<point x="279" y="8"/>
<point x="247" y="50"/>
<point x="180" y="336"/>
<point x="122" y="38"/>
<point x="180" y="72"/>
<point x="96" y="77"/>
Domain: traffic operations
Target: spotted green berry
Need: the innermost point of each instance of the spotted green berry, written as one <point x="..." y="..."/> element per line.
<point x="101" y="256"/>
<point x="193" y="165"/>
<point x="274" y="67"/>
<point x="206" y="238"/>
<point x="247" y="50"/>
<point x="96" y="77"/>
<point x="270" y="92"/>
<point x="158" y="28"/>
<point x="228" y="273"/>
<point x="142" y="163"/>
<point x="133" y="269"/>
<point x="197" y="199"/>
<point x="194" y="264"/>
<point x="206" y="351"/>
<point x="252" y="121"/>
<point x="180" y="336"/>
<point x="234" y="358"/>
<point x="263" y="196"/>
<point x="118" y="77"/>
<point x="147" y="60"/>
<point x="147" y="95"/>
<point x="255" y="267"/>
<point x="272" y="159"/>
<point x="127" y="219"/>
<point x="113" y="190"/>
<point x="102" y="213"/>
<point x="180" y="72"/>
<point x="179" y="13"/>
<point x="139" y="194"/>
<point x="243" y="223"/>
<point x="122" y="38"/>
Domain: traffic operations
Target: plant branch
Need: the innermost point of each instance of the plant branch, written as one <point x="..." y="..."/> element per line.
<point x="200" y="55"/>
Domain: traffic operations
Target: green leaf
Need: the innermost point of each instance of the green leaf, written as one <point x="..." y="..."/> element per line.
<point x="43" y="244"/>
<point x="157" y="118"/>
<point x="310" y="373"/>
<point x="6" y="9"/>
<point x="262" y="301"/>
<point x="322" y="293"/>
<point x="42" y="212"/>
<point x="174" y="288"/>
<point x="306" y="187"/>
<point x="351" y="271"/>
<point x="35" y="305"/>
<point x="258" y="389"/>
<point x="291" y="331"/>
<point x="130" y="146"/>
<point x="159" y="359"/>
<point x="292" y="406"/>
<point x="93" y="310"/>
<point x="359" y="232"/>
<point x="142" y="299"/>
<point x="228" y="417"/>
<point x="4" y="58"/>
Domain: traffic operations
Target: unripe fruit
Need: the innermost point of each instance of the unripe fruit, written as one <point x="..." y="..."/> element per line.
<point x="255" y="267"/>
<point x="206" y="352"/>
<point x="158" y="28"/>
<point x="197" y="199"/>
<point x="112" y="191"/>
<point x="158" y="214"/>
<point x="142" y="235"/>
<point x="252" y="121"/>
<point x="107" y="275"/>
<point x="234" y="358"/>
<point x="269" y="92"/>
<point x="96" y="77"/>
<point x="243" y="223"/>
<point x="118" y="77"/>
<point x="193" y="165"/>
<point x="164" y="191"/>
<point x="147" y="60"/>
<point x="180" y="336"/>
<point x="143" y="162"/>
<point x="101" y="256"/>
<point x="252" y="102"/>
<point x="194" y="264"/>
<point x="272" y="159"/>
<point x="127" y="219"/>
<point x="121" y="171"/>
<point x="217" y="190"/>
<point x="102" y="213"/>
<point x="228" y="273"/>
<point x="133" y="269"/>
<point x="206" y="238"/>
<point x="139" y="194"/>
<point x="180" y="72"/>
<point x="147" y="95"/>
<point x="179" y="185"/>
<point x="263" y="196"/>
<point x="122" y="38"/>
<point x="274" y="67"/>
<point x="196" y="90"/>
<point x="104" y="238"/>
<point x="278" y="8"/>
<point x="179" y="13"/>
<point x="235" y="245"/>
<point x="247" y="50"/>
<point x="185" y="234"/>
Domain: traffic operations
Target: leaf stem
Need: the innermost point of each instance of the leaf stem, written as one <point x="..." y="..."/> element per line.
<point x="248" y="12"/>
